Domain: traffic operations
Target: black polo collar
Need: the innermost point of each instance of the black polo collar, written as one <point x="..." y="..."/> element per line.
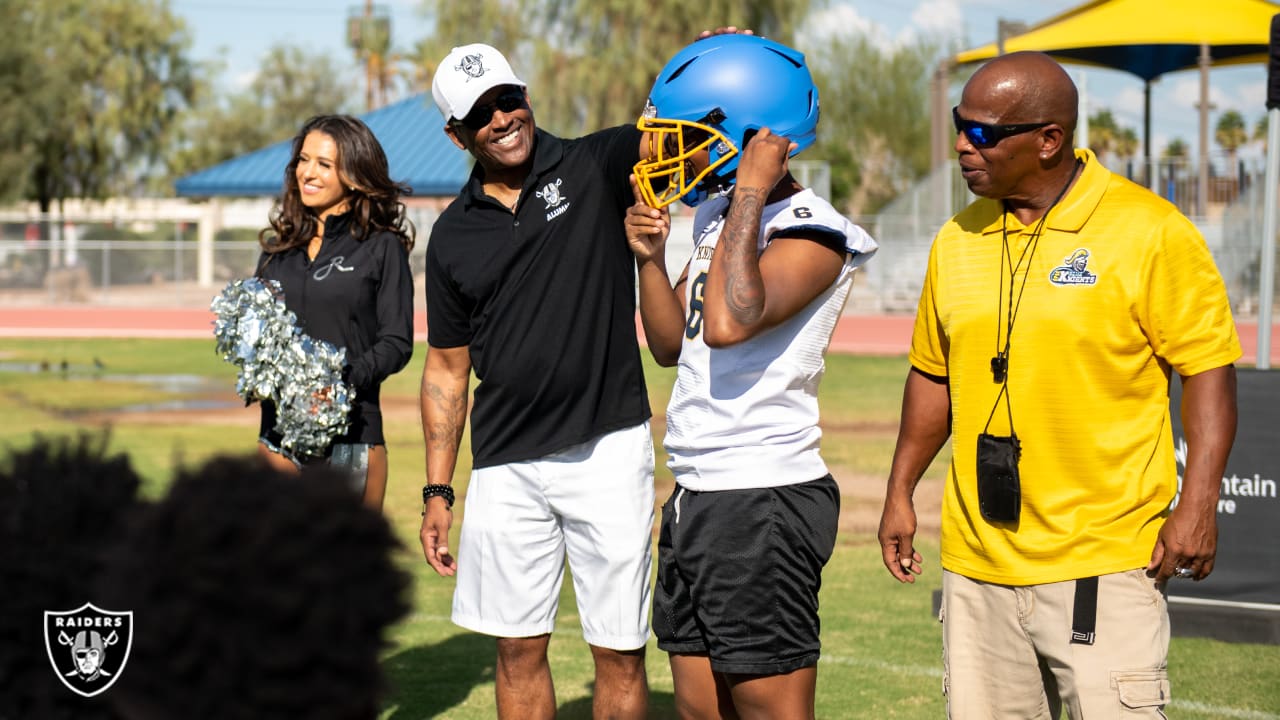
<point x="548" y="151"/>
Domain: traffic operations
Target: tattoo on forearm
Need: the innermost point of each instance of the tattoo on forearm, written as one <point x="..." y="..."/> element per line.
<point x="446" y="432"/>
<point x="744" y="288"/>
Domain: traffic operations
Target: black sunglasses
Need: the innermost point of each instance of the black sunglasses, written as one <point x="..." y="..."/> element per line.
<point x="982" y="135"/>
<point x="481" y="115"/>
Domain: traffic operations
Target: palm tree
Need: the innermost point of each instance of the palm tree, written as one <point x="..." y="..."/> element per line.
<point x="1102" y="132"/>
<point x="1231" y="133"/>
<point x="1176" y="149"/>
<point x="1126" y="142"/>
<point x="1172" y="166"/>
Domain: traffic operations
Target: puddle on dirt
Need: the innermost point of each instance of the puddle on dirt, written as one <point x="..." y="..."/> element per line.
<point x="171" y="405"/>
<point x="167" y="383"/>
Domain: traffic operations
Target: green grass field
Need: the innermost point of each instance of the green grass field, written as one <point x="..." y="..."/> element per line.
<point x="881" y="646"/>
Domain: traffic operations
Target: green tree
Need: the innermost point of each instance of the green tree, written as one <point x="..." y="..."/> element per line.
<point x="1103" y="130"/>
<point x="91" y="91"/>
<point x="1176" y="149"/>
<point x="290" y="86"/>
<point x="1230" y="133"/>
<point x="590" y="63"/>
<point x="500" y="23"/>
<point x="1174" y="164"/>
<point x="1126" y="142"/>
<point x="19" y="110"/>
<point x="1107" y="137"/>
<point x="875" y="127"/>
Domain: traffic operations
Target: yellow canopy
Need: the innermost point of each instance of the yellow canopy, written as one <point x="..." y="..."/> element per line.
<point x="1147" y="37"/>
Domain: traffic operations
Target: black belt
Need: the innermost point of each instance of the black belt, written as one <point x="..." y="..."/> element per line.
<point x="1085" y="615"/>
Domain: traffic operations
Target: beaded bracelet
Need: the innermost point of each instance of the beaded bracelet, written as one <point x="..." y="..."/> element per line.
<point x="444" y="491"/>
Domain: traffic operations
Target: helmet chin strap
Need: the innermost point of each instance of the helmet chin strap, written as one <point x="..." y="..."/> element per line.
<point x="715" y="183"/>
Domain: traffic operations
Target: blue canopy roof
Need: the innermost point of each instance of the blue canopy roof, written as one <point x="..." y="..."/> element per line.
<point x="411" y="132"/>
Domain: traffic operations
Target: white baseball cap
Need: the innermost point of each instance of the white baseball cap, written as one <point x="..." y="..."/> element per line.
<point x="465" y="74"/>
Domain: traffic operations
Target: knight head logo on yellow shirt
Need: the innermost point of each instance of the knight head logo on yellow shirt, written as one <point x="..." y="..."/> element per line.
<point x="1074" y="270"/>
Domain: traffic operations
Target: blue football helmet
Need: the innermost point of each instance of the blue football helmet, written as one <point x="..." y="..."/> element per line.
<point x="714" y="95"/>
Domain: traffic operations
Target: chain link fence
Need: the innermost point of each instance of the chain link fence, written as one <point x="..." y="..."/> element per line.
<point x="1231" y="222"/>
<point x="143" y="264"/>
<point x="158" y="263"/>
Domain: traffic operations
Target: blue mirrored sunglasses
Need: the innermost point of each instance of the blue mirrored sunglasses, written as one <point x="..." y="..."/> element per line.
<point x="982" y="135"/>
<point x="481" y="115"/>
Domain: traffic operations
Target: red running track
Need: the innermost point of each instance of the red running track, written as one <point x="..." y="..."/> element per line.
<point x="855" y="334"/>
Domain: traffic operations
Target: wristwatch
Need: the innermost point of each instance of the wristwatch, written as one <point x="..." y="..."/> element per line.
<point x="444" y="491"/>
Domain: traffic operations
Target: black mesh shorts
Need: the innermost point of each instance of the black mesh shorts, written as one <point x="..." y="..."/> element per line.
<point x="739" y="573"/>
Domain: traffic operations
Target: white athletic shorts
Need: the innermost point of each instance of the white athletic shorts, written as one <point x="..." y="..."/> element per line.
<point x="592" y="502"/>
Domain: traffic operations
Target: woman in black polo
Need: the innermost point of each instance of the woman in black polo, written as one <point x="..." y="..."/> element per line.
<point x="339" y="246"/>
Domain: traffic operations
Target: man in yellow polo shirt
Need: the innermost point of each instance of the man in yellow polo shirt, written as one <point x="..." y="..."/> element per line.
<point x="1054" y="310"/>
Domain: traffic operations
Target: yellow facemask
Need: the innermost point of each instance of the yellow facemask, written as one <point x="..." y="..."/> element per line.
<point x="669" y="172"/>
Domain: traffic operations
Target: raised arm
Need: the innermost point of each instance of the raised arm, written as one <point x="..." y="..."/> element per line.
<point x="661" y="306"/>
<point x="443" y="396"/>
<point x="748" y="292"/>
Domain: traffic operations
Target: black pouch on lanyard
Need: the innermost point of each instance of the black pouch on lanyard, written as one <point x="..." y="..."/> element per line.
<point x="999" y="487"/>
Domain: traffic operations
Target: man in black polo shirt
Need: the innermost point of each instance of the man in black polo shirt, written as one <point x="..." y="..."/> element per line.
<point x="530" y="282"/>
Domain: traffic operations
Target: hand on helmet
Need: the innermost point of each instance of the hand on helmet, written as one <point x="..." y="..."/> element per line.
<point x="764" y="160"/>
<point x="646" y="227"/>
<point x="734" y="84"/>
<point x="726" y="30"/>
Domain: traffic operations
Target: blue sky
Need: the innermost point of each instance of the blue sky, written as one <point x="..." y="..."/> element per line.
<point x="241" y="31"/>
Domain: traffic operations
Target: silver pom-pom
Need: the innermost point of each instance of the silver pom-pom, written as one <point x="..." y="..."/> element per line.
<point x="302" y="375"/>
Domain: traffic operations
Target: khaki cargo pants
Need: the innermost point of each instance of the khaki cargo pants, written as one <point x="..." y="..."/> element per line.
<point x="1007" y="650"/>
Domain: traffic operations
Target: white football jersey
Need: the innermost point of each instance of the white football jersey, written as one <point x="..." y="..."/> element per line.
<point x="746" y="416"/>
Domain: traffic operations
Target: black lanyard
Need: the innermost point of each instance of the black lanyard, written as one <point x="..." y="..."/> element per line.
<point x="1000" y="361"/>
